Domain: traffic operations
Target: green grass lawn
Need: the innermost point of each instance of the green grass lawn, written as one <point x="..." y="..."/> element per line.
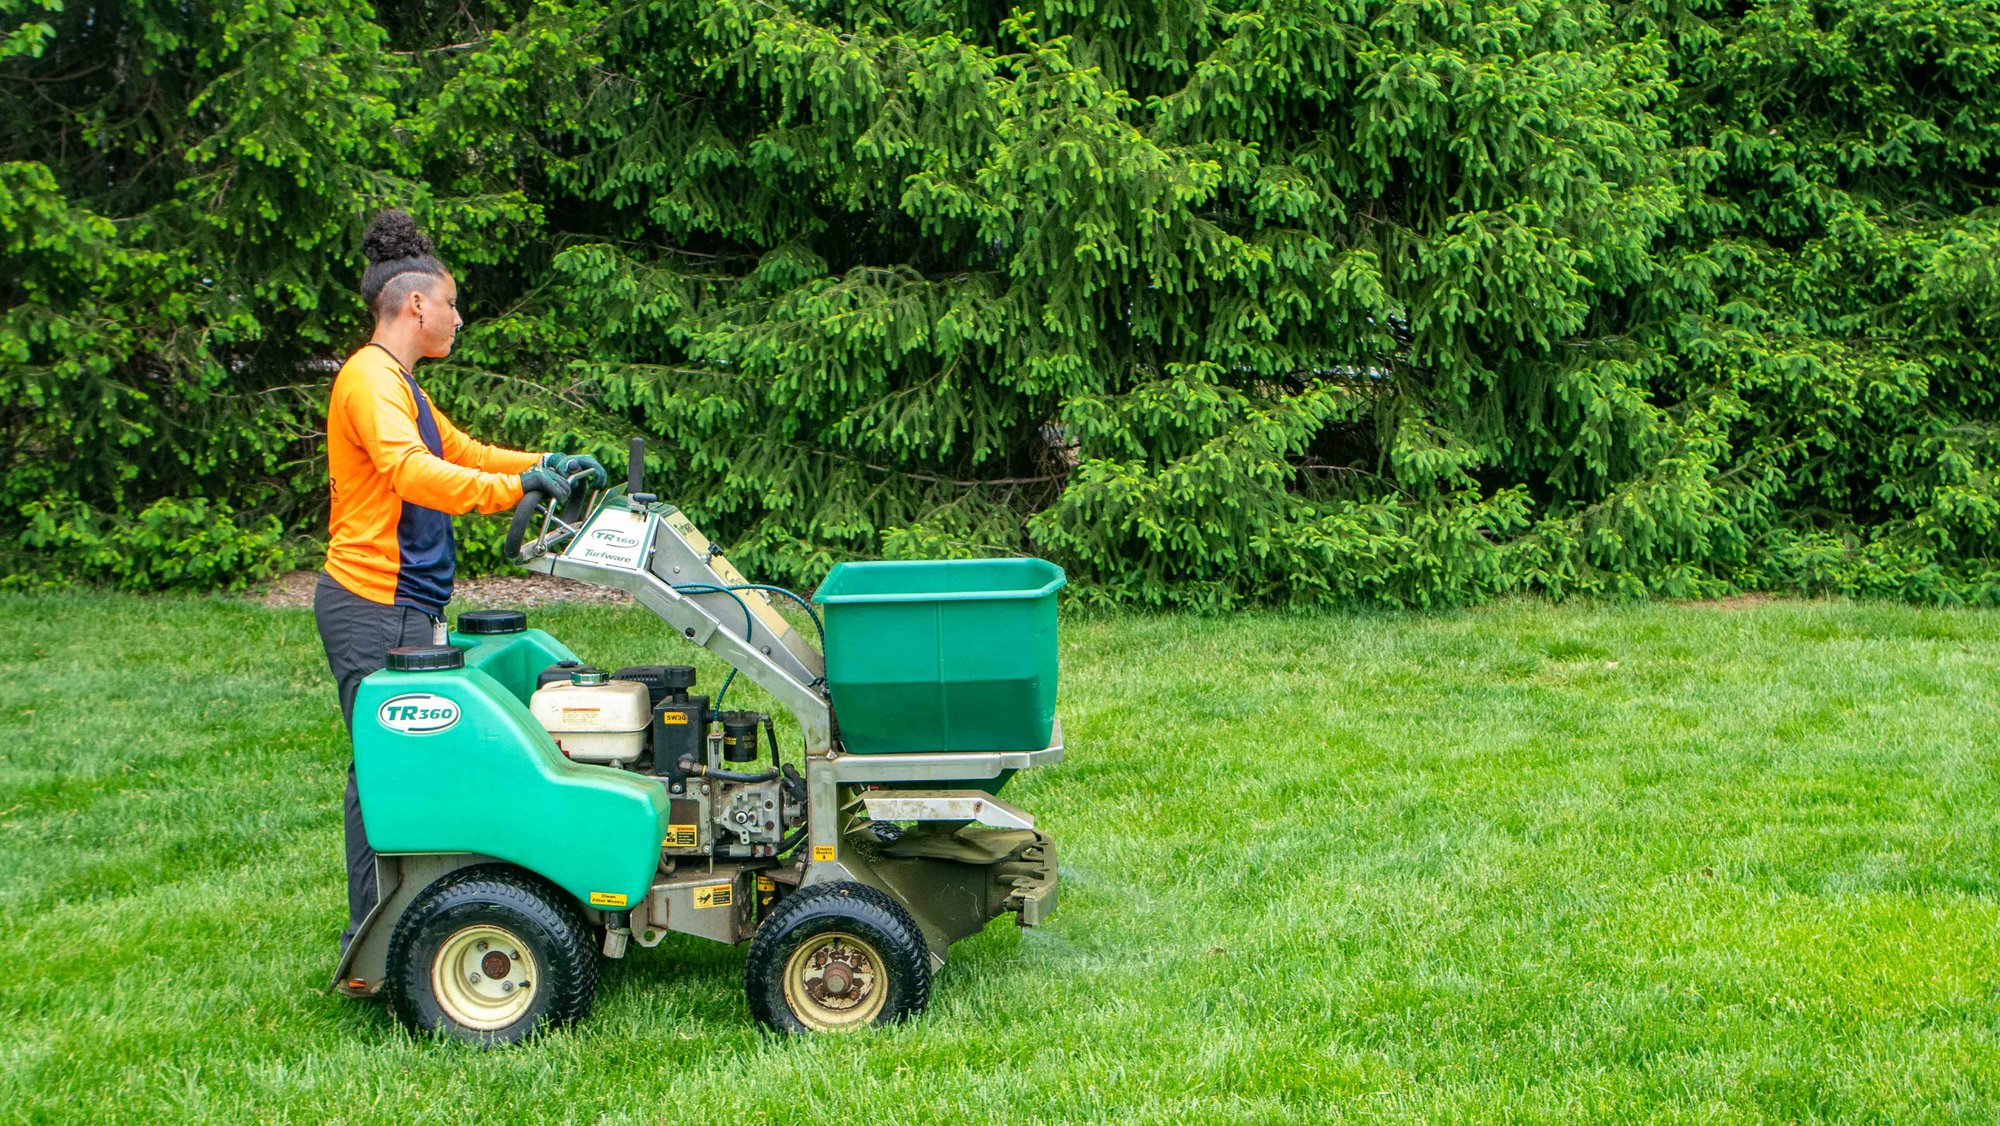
<point x="1522" y="864"/>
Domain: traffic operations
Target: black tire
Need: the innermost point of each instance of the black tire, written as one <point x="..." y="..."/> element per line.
<point x="473" y="909"/>
<point x="868" y="932"/>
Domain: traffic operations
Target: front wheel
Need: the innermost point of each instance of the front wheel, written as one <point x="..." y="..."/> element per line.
<point x="835" y="958"/>
<point x="490" y="955"/>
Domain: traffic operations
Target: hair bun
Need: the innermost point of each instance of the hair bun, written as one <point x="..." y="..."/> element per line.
<point x="394" y="235"/>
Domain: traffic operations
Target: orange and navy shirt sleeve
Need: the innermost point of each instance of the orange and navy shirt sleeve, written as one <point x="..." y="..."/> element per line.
<point x="400" y="432"/>
<point x="395" y="491"/>
<point x="461" y="449"/>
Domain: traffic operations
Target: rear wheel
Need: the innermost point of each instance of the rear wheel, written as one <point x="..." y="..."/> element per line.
<point x="835" y="958"/>
<point x="490" y="955"/>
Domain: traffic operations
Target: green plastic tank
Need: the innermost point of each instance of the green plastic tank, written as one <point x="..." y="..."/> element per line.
<point x="942" y="655"/>
<point x="448" y="759"/>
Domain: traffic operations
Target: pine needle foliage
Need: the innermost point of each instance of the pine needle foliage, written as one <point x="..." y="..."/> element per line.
<point x="1291" y="301"/>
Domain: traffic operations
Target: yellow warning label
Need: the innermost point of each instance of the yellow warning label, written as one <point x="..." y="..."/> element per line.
<point x="674" y="719"/>
<point x="822" y="852"/>
<point x="679" y="836"/>
<point x="714" y="895"/>
<point x="606" y="899"/>
<point x="766" y="883"/>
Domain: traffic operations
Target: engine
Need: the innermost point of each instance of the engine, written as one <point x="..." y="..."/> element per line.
<point x="594" y="718"/>
<point x="642" y="718"/>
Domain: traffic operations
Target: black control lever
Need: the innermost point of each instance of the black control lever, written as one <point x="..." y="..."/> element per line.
<point x="635" y="475"/>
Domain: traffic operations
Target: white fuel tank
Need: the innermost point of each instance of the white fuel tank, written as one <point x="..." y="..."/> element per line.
<point x="600" y="723"/>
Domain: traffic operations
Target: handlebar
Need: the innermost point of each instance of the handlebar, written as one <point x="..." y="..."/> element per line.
<point x="578" y="504"/>
<point x="572" y="511"/>
<point x="635" y="474"/>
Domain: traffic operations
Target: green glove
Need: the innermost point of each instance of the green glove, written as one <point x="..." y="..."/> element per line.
<point x="569" y="465"/>
<point x="546" y="481"/>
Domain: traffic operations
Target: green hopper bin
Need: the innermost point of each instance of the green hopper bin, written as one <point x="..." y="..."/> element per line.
<point x="942" y="655"/>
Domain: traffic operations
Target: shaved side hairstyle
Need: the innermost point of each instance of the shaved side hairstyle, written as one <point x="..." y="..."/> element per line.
<point x="400" y="259"/>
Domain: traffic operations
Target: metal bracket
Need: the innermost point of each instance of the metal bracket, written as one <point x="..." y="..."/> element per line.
<point x="943" y="766"/>
<point x="944" y="805"/>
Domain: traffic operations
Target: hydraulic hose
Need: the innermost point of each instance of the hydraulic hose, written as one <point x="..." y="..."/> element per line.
<point x="818" y="627"/>
<point x="790" y="841"/>
<point x="702" y="770"/>
<point x="706" y="588"/>
<point x="819" y="630"/>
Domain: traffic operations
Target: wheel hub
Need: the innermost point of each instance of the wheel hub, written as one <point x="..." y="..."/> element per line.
<point x="833" y="982"/>
<point x="838" y="978"/>
<point x="484" y="977"/>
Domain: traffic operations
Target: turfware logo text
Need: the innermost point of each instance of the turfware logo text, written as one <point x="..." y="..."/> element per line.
<point x="613" y="539"/>
<point x="418" y="713"/>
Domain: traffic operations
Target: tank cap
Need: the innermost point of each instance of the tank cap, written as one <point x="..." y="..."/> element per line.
<point x="677" y="676"/>
<point x="422" y="658"/>
<point x="589" y="678"/>
<point x="492" y="621"/>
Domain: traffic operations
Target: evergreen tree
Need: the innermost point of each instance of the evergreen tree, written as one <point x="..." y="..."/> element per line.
<point x="1284" y="301"/>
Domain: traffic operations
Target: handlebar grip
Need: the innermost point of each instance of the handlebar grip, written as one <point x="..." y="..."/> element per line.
<point x="635" y="469"/>
<point x="517" y="529"/>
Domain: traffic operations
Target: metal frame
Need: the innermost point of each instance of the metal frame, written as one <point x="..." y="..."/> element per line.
<point x="648" y="552"/>
<point x="672" y="554"/>
<point x="399" y="879"/>
<point x="828" y="777"/>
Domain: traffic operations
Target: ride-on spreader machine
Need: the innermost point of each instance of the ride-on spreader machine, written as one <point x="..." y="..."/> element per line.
<point x="533" y="814"/>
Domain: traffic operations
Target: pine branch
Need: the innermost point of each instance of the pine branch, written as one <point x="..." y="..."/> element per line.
<point x="957" y="482"/>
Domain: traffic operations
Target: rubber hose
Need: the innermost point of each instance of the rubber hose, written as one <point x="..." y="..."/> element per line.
<point x="700" y="771"/>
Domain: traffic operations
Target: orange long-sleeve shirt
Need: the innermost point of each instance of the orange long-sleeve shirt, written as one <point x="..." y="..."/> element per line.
<point x="400" y="472"/>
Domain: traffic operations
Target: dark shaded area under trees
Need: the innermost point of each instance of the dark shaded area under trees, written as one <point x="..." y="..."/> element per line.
<point x="1284" y="302"/>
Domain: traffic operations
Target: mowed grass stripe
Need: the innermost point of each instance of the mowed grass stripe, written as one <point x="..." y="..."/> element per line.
<point x="1524" y="863"/>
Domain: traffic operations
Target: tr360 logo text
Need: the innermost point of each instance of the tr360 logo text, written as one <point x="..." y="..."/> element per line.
<point x="418" y="713"/>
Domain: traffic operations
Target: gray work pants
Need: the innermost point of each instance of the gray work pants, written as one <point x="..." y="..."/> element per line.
<point x="358" y="635"/>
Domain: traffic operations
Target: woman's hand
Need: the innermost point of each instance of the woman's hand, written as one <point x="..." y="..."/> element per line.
<point x="569" y="465"/>
<point x="547" y="481"/>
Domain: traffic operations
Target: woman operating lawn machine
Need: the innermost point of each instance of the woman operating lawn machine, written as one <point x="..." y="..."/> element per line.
<point x="532" y="813"/>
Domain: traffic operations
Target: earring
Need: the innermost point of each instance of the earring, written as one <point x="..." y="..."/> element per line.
<point x="420" y="320"/>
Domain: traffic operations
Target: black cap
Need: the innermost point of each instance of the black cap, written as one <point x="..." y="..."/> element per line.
<point x="492" y="621"/>
<point x="421" y="658"/>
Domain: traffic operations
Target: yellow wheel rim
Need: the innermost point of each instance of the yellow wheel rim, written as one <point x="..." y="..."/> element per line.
<point x="834" y="982"/>
<point x="484" y="977"/>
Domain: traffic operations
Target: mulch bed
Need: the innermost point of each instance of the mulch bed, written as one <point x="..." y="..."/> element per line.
<point x="294" y="589"/>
